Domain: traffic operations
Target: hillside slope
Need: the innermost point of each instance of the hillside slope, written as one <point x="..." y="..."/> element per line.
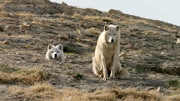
<point x="149" y="47"/>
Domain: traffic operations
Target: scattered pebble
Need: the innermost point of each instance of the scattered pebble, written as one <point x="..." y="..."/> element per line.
<point x="6" y="42"/>
<point x="24" y="27"/>
<point x="35" y="60"/>
<point x="1" y="29"/>
<point x="35" y="48"/>
<point x="178" y="41"/>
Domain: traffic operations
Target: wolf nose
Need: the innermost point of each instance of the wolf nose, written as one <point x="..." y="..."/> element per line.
<point x="55" y="55"/>
<point x="112" y="40"/>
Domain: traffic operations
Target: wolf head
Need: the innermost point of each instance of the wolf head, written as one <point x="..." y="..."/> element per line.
<point x="55" y="52"/>
<point x="112" y="33"/>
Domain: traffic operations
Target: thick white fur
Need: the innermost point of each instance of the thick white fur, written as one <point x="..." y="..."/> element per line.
<point x="55" y="52"/>
<point x="106" y="59"/>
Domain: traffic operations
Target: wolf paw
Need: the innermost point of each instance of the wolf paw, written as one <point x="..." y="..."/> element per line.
<point x="105" y="78"/>
<point x="112" y="76"/>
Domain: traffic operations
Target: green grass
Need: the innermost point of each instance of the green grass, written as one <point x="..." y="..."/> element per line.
<point x="65" y="66"/>
<point x="173" y="83"/>
<point x="69" y="54"/>
<point x="7" y="69"/>
<point x="69" y="73"/>
<point x="78" y="76"/>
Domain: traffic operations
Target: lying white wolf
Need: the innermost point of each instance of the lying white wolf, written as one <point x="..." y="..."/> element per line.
<point x="106" y="63"/>
<point x="55" y="52"/>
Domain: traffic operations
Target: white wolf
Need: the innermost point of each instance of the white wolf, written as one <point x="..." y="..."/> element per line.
<point x="106" y="63"/>
<point x="55" y="52"/>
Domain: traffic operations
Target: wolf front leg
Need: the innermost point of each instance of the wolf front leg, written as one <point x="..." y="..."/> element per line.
<point x="114" y="65"/>
<point x="105" y="74"/>
<point x="94" y="67"/>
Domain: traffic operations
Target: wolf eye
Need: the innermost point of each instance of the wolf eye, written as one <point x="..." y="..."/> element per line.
<point x="114" y="34"/>
<point x="57" y="52"/>
<point x="109" y="34"/>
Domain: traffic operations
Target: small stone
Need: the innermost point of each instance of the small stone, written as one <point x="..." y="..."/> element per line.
<point x="6" y="27"/>
<point x="178" y="41"/>
<point x="1" y="29"/>
<point x="25" y="26"/>
<point x="35" y="48"/>
<point x="64" y="36"/>
<point x="6" y="42"/>
<point x="35" y="60"/>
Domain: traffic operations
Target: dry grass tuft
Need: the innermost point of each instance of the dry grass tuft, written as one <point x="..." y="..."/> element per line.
<point x="136" y="22"/>
<point x="25" y="76"/>
<point x="71" y="95"/>
<point x="98" y="18"/>
<point x="93" y="30"/>
<point x="47" y="92"/>
<point x="173" y="98"/>
<point x="38" y="92"/>
<point x="76" y="15"/>
<point x="153" y="32"/>
<point x="4" y="14"/>
<point x="23" y="36"/>
<point x="25" y="14"/>
<point x="128" y="94"/>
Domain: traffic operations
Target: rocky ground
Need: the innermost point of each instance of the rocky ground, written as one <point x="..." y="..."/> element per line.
<point x="149" y="47"/>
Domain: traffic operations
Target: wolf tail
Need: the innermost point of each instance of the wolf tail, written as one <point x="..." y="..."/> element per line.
<point x="123" y="74"/>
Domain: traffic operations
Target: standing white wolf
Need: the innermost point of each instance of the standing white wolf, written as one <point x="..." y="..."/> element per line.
<point x="106" y="63"/>
<point x="55" y="52"/>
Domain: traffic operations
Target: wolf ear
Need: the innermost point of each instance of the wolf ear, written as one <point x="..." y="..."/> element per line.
<point x="106" y="28"/>
<point x="49" y="46"/>
<point x="117" y="27"/>
<point x="60" y="47"/>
